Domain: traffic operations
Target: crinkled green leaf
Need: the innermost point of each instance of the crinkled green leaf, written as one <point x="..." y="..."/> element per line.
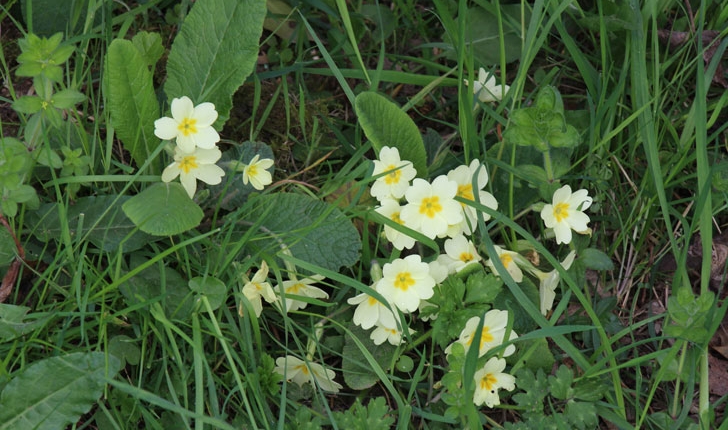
<point x="385" y="124"/>
<point x="313" y="231"/>
<point x="214" y="52"/>
<point x="13" y="319"/>
<point x="164" y="209"/>
<point x="358" y="374"/>
<point x="131" y="100"/>
<point x="104" y="223"/>
<point x="54" y="392"/>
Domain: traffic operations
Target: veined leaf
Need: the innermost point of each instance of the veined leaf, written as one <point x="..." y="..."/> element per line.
<point x="385" y="124"/>
<point x="54" y="392"/>
<point x="215" y="51"/>
<point x="312" y="230"/>
<point x="131" y="99"/>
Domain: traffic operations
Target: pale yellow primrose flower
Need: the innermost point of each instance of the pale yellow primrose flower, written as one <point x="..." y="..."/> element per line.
<point x="391" y="209"/>
<point x="257" y="289"/>
<point x="489" y="380"/>
<point x="191" y="166"/>
<point x="566" y="213"/>
<point x="549" y="281"/>
<point x="393" y="335"/>
<point x="494" y="331"/>
<point x="256" y="172"/>
<point x="190" y="125"/>
<point x="370" y="312"/>
<point x="398" y="175"/>
<point x="459" y="252"/>
<point x="431" y="208"/>
<point x="509" y="260"/>
<point x="302" y="288"/>
<point x="487" y="89"/>
<point x="301" y="372"/>
<point x="405" y="282"/>
<point x="463" y="176"/>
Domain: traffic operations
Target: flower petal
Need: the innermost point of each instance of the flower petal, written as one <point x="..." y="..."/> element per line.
<point x="165" y="128"/>
<point x="205" y="114"/>
<point x="182" y="108"/>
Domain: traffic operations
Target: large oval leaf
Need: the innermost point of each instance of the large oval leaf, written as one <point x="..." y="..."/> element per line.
<point x="54" y="392"/>
<point x="385" y="124"/>
<point x="215" y="51"/>
<point x="312" y="230"/>
<point x="164" y="209"/>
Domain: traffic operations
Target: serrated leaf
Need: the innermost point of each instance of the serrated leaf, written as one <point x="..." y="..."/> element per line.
<point x="13" y="321"/>
<point x="54" y="392"/>
<point x="358" y="374"/>
<point x="164" y="209"/>
<point x="482" y="287"/>
<point x="104" y="223"/>
<point x="131" y="100"/>
<point x="385" y="124"/>
<point x="312" y="230"/>
<point x="561" y="383"/>
<point x="371" y="417"/>
<point x="582" y="415"/>
<point x="215" y="50"/>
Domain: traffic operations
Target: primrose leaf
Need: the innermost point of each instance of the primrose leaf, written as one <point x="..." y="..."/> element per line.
<point x="54" y="392"/>
<point x="101" y="220"/>
<point x="131" y="100"/>
<point x="164" y="209"/>
<point x="596" y="259"/>
<point x="313" y="231"/>
<point x="358" y="373"/>
<point x="149" y="45"/>
<point x="483" y="34"/>
<point x="385" y="124"/>
<point x="214" y="52"/>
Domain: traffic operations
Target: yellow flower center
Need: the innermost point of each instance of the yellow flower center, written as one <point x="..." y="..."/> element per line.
<point x="465" y="256"/>
<point x="430" y="206"/>
<point x="466" y="192"/>
<point x="187" y="126"/>
<point x="188" y="163"/>
<point x="403" y="281"/>
<point x="488" y="382"/>
<point x="295" y="288"/>
<point x="485" y="337"/>
<point x="394" y="176"/>
<point x="561" y="211"/>
<point x="302" y="368"/>
<point x="506" y="259"/>
<point x="395" y="217"/>
<point x="252" y="170"/>
<point x="371" y="301"/>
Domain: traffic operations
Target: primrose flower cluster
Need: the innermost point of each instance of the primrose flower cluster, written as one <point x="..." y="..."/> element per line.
<point x="196" y="152"/>
<point x="293" y="295"/>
